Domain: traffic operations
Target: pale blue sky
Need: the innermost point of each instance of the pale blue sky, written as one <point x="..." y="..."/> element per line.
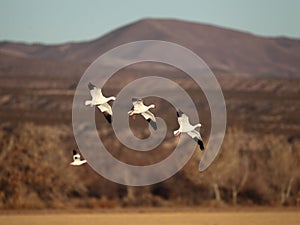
<point x="58" y="21"/>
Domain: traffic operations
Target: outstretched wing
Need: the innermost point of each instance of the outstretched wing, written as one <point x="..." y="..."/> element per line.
<point x="91" y="86"/>
<point x="95" y="92"/>
<point x="182" y="118"/>
<point x="197" y="137"/>
<point x="105" y="108"/>
<point x="150" y="118"/>
<point x="136" y="100"/>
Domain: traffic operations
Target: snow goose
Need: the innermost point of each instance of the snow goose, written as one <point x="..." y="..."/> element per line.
<point x="100" y="101"/>
<point x="186" y="127"/>
<point x="139" y="108"/>
<point x="76" y="159"/>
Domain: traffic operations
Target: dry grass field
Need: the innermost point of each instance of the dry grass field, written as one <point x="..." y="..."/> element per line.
<point x="155" y="218"/>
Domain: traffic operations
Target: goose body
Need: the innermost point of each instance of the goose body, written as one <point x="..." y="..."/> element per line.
<point x="99" y="100"/>
<point x="186" y="127"/>
<point x="139" y="108"/>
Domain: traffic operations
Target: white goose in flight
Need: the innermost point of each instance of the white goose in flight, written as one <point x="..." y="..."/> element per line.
<point x="139" y="108"/>
<point x="76" y="159"/>
<point x="186" y="127"/>
<point x="100" y="101"/>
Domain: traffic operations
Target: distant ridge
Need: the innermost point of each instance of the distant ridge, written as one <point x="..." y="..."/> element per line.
<point x="224" y="50"/>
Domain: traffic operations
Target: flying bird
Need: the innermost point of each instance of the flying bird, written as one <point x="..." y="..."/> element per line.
<point x="100" y="101"/>
<point x="139" y="108"/>
<point x="186" y="127"/>
<point x="76" y="159"/>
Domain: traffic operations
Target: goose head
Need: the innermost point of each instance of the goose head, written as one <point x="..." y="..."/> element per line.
<point x="176" y="132"/>
<point x="198" y="125"/>
<point x="113" y="98"/>
<point x="152" y="106"/>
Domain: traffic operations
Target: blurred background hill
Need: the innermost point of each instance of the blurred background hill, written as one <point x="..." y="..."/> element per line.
<point x="259" y="160"/>
<point x="225" y="50"/>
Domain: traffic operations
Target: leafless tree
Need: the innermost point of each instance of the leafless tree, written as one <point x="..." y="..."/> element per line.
<point x="283" y="166"/>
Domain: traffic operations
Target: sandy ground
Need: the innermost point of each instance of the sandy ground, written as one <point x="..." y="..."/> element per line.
<point x="155" y="218"/>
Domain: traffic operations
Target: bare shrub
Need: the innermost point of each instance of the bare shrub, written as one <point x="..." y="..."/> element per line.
<point x="34" y="167"/>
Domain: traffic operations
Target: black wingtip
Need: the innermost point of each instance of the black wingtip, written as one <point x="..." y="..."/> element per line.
<point x="74" y="152"/>
<point x="152" y="123"/>
<point x="108" y="117"/>
<point x="136" y="99"/>
<point x="91" y="86"/>
<point x="179" y="113"/>
<point x="200" y="143"/>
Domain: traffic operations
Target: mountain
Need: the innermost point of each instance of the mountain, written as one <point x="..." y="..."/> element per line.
<point x="224" y="50"/>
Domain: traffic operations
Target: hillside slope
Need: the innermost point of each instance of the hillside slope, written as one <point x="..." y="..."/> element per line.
<point x="224" y="50"/>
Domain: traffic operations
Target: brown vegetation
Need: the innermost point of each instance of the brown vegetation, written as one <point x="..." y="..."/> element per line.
<point x="251" y="169"/>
